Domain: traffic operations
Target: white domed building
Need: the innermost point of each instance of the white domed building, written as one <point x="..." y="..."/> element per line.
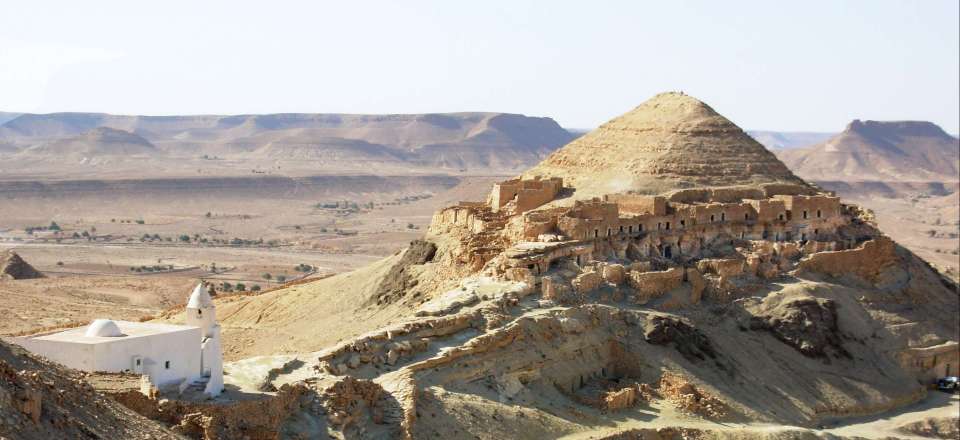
<point x="169" y="355"/>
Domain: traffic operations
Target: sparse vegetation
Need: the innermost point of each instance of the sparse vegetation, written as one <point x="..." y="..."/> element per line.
<point x="303" y="268"/>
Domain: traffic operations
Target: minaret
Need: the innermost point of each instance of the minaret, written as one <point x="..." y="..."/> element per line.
<point x="201" y="313"/>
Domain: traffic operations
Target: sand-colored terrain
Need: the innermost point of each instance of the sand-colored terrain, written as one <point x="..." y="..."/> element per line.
<point x="90" y="276"/>
<point x="506" y="320"/>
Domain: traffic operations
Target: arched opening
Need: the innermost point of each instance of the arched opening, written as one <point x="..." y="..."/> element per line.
<point x="780" y="217"/>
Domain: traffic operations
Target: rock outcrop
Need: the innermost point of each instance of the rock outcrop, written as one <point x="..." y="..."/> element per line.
<point x="806" y="324"/>
<point x="15" y="268"/>
<point x="42" y="400"/>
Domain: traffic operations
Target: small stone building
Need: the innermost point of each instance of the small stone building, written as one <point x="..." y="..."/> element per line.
<point x="170" y="355"/>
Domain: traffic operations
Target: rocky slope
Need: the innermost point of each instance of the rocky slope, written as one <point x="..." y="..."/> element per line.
<point x="42" y="400"/>
<point x="670" y="141"/>
<point x="500" y="323"/>
<point x="880" y="151"/>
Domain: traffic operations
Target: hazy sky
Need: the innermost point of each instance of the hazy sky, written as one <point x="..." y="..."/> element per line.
<point x="797" y="65"/>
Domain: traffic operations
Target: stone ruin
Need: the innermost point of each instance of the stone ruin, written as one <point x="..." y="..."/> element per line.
<point x="714" y="241"/>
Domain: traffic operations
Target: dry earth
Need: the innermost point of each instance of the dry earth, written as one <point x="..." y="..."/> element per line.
<point x="88" y="278"/>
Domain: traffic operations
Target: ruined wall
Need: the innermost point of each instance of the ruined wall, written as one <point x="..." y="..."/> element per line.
<point x="525" y="194"/>
<point x="638" y="204"/>
<point x="769" y="210"/>
<point x="773" y="189"/>
<point x="868" y="261"/>
<point x="928" y="364"/>
<point x="586" y="282"/>
<point x="811" y="207"/>
<point x="590" y="219"/>
<point x="724" y="267"/>
<point x="255" y="419"/>
<point x="653" y="284"/>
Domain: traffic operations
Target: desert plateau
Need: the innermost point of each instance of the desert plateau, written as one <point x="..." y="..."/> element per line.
<point x="376" y="220"/>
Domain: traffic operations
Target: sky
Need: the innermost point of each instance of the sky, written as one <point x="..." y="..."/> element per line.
<point x="791" y="66"/>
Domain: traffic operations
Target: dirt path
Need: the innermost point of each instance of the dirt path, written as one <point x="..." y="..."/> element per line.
<point x="879" y="426"/>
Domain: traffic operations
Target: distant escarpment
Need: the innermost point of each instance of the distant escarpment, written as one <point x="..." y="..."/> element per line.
<point x="449" y="140"/>
<point x="900" y="151"/>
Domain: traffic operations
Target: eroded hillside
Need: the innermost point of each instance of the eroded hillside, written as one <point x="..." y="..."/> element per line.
<point x="556" y="309"/>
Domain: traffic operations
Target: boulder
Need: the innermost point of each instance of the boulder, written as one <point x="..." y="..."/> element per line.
<point x="670" y="330"/>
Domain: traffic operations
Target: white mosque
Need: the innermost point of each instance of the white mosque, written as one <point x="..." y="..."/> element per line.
<point x="181" y="355"/>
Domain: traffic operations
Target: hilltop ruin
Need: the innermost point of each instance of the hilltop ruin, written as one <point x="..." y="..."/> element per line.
<point x="665" y="261"/>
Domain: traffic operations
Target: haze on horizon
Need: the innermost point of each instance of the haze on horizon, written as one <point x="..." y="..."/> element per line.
<point x="766" y="65"/>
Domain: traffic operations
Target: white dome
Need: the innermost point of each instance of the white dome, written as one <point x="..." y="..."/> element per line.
<point x="103" y="328"/>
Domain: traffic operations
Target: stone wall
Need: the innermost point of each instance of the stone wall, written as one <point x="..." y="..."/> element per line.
<point x="586" y="282"/>
<point x="525" y="194"/>
<point x="868" y="261"/>
<point x="769" y="210"/>
<point x="653" y="284"/>
<point x="931" y="363"/>
<point x="638" y="204"/>
<point x="811" y="207"/>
